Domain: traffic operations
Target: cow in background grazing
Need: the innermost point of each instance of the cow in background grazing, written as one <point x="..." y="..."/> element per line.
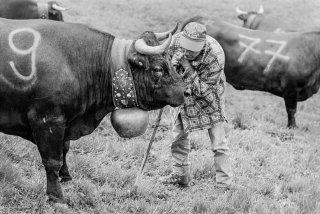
<point x="58" y="81"/>
<point x="256" y="20"/>
<point x="251" y="19"/>
<point x="29" y="9"/>
<point x="285" y="64"/>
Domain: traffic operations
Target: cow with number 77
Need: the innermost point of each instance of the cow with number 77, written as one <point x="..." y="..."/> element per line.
<point x="285" y="64"/>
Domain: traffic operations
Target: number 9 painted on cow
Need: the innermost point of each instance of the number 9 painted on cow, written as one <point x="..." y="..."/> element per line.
<point x="32" y="50"/>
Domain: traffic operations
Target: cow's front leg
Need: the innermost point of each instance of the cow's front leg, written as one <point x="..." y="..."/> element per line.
<point x="48" y="134"/>
<point x="290" y="100"/>
<point x="64" y="172"/>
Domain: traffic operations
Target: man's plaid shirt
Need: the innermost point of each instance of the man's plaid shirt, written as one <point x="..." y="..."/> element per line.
<point x="206" y="105"/>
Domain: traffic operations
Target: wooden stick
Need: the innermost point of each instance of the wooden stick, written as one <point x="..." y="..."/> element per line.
<point x="146" y="154"/>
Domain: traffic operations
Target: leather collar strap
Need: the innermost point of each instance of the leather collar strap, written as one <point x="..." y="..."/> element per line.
<point x="43" y="10"/>
<point x="123" y="89"/>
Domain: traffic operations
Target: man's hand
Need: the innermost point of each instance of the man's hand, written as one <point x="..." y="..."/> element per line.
<point x="185" y="63"/>
<point x="177" y="57"/>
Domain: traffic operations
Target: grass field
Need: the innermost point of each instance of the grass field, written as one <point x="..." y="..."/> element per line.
<point x="276" y="169"/>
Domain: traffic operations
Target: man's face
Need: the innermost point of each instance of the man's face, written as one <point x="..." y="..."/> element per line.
<point x="191" y="55"/>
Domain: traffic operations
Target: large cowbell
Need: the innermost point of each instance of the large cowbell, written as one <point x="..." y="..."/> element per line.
<point x="130" y="122"/>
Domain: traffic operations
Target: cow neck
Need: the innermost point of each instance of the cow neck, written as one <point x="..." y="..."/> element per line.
<point x="123" y="89"/>
<point x="43" y="10"/>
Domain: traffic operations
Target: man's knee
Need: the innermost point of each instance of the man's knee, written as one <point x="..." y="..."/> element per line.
<point x="219" y="143"/>
<point x="181" y="144"/>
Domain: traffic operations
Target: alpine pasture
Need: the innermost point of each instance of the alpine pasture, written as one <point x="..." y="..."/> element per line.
<point x="277" y="170"/>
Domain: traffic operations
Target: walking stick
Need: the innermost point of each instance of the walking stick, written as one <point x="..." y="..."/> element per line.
<point x="146" y="154"/>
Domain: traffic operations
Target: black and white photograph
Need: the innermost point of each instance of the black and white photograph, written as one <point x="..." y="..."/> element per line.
<point x="159" y="107"/>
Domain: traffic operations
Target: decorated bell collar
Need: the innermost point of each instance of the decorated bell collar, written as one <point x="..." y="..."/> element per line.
<point x="123" y="90"/>
<point x="127" y="119"/>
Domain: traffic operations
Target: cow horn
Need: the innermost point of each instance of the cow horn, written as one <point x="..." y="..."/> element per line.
<point x="143" y="48"/>
<point x="164" y="35"/>
<point x="240" y="11"/>
<point x="57" y="7"/>
<point x="260" y="10"/>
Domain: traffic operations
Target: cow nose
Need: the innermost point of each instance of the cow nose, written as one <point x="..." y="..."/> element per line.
<point x="187" y="92"/>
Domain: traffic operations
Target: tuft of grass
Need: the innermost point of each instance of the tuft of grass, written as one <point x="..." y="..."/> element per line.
<point x="200" y="207"/>
<point x="137" y="150"/>
<point x="8" y="173"/>
<point x="240" y="121"/>
<point x="308" y="201"/>
<point x="204" y="169"/>
<point x="84" y="195"/>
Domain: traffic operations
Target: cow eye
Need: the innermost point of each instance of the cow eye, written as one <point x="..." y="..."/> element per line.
<point x="158" y="74"/>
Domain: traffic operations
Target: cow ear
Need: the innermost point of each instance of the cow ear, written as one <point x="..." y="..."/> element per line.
<point x="139" y="61"/>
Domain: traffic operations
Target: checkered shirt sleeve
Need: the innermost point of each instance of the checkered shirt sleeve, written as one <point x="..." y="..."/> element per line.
<point x="208" y="72"/>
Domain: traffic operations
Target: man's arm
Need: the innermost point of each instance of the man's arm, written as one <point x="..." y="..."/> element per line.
<point x="202" y="87"/>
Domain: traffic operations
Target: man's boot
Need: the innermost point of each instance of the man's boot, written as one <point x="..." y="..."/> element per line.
<point x="222" y="165"/>
<point x="182" y="179"/>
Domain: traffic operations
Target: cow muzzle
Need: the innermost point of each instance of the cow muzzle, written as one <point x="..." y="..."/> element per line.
<point x="187" y="91"/>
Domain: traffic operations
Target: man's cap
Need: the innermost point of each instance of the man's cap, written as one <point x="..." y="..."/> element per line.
<point x="193" y="36"/>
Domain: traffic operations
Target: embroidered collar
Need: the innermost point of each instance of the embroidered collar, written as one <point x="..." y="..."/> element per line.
<point x="43" y="10"/>
<point x="123" y="89"/>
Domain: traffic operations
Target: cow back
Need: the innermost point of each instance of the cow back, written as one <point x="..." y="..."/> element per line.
<point x="258" y="60"/>
<point x="52" y="63"/>
<point x="18" y="9"/>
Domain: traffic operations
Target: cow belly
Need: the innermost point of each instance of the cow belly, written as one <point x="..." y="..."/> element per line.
<point x="12" y="123"/>
<point x="307" y="93"/>
<point x="84" y="125"/>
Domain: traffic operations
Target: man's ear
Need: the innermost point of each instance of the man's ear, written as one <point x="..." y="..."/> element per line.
<point x="139" y="61"/>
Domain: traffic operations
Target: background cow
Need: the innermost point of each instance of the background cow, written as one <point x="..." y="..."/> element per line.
<point x="284" y="64"/>
<point x="56" y="85"/>
<point x="29" y="9"/>
<point x="257" y="20"/>
<point x="251" y="19"/>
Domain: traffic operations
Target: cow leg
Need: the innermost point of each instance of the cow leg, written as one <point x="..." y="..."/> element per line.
<point x="64" y="172"/>
<point x="48" y="133"/>
<point x="290" y="100"/>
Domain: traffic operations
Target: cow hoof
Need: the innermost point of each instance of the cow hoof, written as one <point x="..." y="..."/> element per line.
<point x="54" y="200"/>
<point x="65" y="179"/>
<point x="292" y="126"/>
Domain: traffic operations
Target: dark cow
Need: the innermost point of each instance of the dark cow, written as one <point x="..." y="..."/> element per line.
<point x="284" y="64"/>
<point x="57" y="82"/>
<point x="256" y="20"/>
<point x="251" y="19"/>
<point x="29" y="9"/>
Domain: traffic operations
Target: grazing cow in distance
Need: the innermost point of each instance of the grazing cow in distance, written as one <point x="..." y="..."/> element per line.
<point x="256" y="20"/>
<point x="285" y="64"/>
<point x="58" y="80"/>
<point x="29" y="9"/>
<point x="251" y="19"/>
